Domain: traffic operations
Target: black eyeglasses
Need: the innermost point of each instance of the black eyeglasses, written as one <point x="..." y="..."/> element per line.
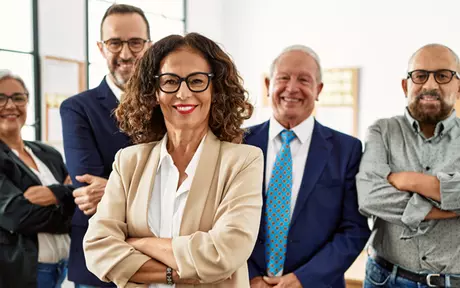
<point x="115" y="45"/>
<point x="196" y="82"/>
<point x="442" y="76"/>
<point x="19" y="99"/>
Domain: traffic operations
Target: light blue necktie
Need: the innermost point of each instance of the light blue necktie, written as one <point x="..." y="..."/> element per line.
<point x="278" y="206"/>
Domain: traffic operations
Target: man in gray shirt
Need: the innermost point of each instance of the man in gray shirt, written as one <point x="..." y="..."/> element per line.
<point x="409" y="180"/>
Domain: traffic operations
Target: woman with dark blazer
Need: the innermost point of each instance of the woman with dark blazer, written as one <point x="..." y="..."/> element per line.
<point x="36" y="203"/>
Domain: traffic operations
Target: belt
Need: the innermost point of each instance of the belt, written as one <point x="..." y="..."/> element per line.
<point x="431" y="280"/>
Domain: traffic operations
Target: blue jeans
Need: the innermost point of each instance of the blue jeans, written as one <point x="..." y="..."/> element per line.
<point x="51" y="275"/>
<point x="378" y="277"/>
<point x="84" y="286"/>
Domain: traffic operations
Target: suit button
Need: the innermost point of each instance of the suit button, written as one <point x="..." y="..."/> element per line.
<point x="427" y="168"/>
<point x="424" y="258"/>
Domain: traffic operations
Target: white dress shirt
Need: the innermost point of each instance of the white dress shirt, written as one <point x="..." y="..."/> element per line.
<point x="51" y="247"/>
<point x="300" y="146"/>
<point x="115" y="89"/>
<point x="167" y="203"/>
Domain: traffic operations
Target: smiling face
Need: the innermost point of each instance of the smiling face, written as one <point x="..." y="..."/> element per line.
<point x="431" y="102"/>
<point x="122" y="27"/>
<point x="294" y="88"/>
<point x="12" y="117"/>
<point x="185" y="109"/>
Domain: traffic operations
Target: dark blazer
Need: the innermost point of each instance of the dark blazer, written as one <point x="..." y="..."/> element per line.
<point x="327" y="232"/>
<point x="20" y="220"/>
<point x="91" y="140"/>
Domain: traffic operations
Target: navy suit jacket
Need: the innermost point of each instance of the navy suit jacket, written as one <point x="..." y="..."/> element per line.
<point x="327" y="232"/>
<point x="91" y="140"/>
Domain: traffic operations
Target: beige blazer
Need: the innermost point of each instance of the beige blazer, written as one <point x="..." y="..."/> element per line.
<point x="219" y="226"/>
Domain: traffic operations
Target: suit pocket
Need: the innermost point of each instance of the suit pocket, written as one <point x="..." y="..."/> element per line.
<point x="329" y="195"/>
<point x="328" y="183"/>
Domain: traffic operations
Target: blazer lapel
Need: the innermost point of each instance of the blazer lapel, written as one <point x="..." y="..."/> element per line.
<point x="106" y="97"/>
<point x="262" y="142"/>
<point x="146" y="183"/>
<point x="318" y="156"/>
<point x="259" y="137"/>
<point x="200" y="185"/>
<point x="46" y="160"/>
<point x="20" y="163"/>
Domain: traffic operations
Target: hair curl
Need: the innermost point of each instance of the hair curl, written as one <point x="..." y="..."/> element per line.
<point x="139" y="114"/>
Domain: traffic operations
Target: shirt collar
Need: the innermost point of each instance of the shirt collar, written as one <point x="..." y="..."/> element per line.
<point x="303" y="131"/>
<point x="442" y="126"/>
<point x="115" y="89"/>
<point x="191" y="167"/>
<point x="28" y="150"/>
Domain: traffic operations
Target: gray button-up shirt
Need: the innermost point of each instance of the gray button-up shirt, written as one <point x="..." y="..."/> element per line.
<point x="400" y="234"/>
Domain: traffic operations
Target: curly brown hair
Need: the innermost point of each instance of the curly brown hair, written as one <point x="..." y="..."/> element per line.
<point x="139" y="114"/>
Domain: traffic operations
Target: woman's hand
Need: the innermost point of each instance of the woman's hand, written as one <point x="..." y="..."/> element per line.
<point x="177" y="280"/>
<point x="140" y="245"/>
<point x="40" y="195"/>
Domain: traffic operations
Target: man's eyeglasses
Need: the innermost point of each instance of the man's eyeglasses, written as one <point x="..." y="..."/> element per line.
<point x="196" y="82"/>
<point x="442" y="76"/>
<point x="115" y="45"/>
<point x="19" y="99"/>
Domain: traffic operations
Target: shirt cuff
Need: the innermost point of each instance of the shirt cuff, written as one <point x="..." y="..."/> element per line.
<point x="450" y="191"/>
<point x="416" y="210"/>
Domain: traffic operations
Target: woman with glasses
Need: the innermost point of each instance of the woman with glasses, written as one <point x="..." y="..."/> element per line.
<point x="183" y="206"/>
<point x="36" y="204"/>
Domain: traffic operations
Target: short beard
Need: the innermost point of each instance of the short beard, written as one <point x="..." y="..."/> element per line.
<point x="119" y="81"/>
<point x="422" y="117"/>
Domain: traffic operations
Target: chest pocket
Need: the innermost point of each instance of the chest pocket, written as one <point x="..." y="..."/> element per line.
<point x="329" y="194"/>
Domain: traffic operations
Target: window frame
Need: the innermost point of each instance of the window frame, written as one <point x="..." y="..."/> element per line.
<point x="36" y="69"/>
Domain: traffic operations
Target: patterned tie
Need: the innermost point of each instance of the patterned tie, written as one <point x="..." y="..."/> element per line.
<point x="278" y="206"/>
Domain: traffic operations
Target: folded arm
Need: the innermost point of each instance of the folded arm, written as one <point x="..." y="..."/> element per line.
<point x="215" y="255"/>
<point x="429" y="187"/>
<point x="444" y="188"/>
<point x="377" y="196"/>
<point x="107" y="254"/>
<point x="17" y="214"/>
<point x="63" y="192"/>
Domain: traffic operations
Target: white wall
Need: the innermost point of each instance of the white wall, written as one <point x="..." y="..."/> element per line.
<point x="206" y="17"/>
<point x="62" y="28"/>
<point x="62" y="33"/>
<point x="377" y="36"/>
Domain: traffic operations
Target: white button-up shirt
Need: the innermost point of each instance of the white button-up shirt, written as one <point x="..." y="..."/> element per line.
<point x="300" y="146"/>
<point x="167" y="203"/>
<point x="113" y="87"/>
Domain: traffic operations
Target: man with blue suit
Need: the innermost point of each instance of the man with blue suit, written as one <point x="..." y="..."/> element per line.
<point x="90" y="131"/>
<point x="311" y="230"/>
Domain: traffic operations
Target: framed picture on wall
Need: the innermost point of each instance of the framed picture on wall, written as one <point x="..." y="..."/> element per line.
<point x="62" y="78"/>
<point x="338" y="102"/>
